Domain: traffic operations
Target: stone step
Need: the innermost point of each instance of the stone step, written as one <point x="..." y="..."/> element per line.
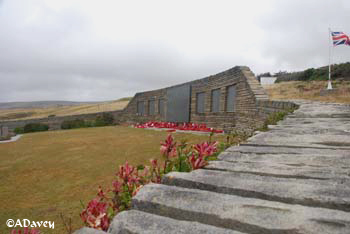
<point x="305" y="140"/>
<point x="308" y="192"/>
<point x="134" y="221"/>
<point x="301" y="170"/>
<point x="278" y="149"/>
<point x="86" y="230"/>
<point x="275" y="129"/>
<point x="250" y="215"/>
<point x="323" y="115"/>
<point x="298" y="160"/>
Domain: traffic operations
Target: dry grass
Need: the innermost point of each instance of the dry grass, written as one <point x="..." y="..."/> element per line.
<point x="310" y="91"/>
<point x="45" y="174"/>
<point x="12" y="114"/>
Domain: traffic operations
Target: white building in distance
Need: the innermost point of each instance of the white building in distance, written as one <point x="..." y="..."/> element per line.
<point x="267" y="80"/>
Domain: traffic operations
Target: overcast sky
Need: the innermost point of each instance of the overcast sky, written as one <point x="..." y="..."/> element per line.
<point x="83" y="50"/>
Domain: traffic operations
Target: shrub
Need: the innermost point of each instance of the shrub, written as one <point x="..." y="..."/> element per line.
<point x="35" y="127"/>
<point x="274" y="117"/>
<point x="5" y="138"/>
<point x="19" y="130"/>
<point x="104" y="120"/>
<point x="70" y="124"/>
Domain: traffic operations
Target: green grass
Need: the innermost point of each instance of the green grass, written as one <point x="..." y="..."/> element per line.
<point x="46" y="174"/>
<point x="274" y="118"/>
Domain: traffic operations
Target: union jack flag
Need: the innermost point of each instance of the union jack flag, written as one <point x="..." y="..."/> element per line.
<point x="340" y="38"/>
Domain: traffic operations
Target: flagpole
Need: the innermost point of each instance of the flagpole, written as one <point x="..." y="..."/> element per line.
<point x="329" y="59"/>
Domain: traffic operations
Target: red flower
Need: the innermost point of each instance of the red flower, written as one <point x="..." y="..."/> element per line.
<point x="25" y="231"/>
<point x="126" y="172"/>
<point x="155" y="171"/>
<point x="95" y="215"/>
<point x="117" y="186"/>
<point x="197" y="162"/>
<point x="206" y="149"/>
<point x="174" y="126"/>
<point x="168" y="148"/>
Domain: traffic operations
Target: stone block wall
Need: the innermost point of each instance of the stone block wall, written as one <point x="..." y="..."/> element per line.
<point x="4" y="131"/>
<point x="266" y="107"/>
<point x="251" y="104"/>
<point x="246" y="91"/>
<point x="248" y="122"/>
<point x="54" y="123"/>
<point x="130" y="114"/>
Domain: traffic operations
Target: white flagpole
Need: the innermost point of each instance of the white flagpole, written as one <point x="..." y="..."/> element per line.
<point x="329" y="55"/>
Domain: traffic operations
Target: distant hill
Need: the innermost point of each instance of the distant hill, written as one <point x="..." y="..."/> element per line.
<point x="339" y="71"/>
<point x="46" y="104"/>
<point x="42" y="109"/>
<point x="40" y="104"/>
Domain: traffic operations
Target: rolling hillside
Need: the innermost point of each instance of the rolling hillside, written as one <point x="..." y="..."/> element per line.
<point x="30" y="110"/>
<point x="310" y="91"/>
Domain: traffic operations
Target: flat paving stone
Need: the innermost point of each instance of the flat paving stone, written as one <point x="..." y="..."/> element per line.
<point x="86" y="230"/>
<point x="254" y="216"/>
<point x="302" y="140"/>
<point x="308" y="192"/>
<point x="298" y="160"/>
<point x="270" y="149"/>
<point x="291" y="169"/>
<point x="134" y="221"/>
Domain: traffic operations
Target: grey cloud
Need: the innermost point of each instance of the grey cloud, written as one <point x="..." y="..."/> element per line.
<point x="297" y="32"/>
<point x="48" y="54"/>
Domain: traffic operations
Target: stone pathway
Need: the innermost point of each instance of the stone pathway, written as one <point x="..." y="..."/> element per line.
<point x="13" y="139"/>
<point x="294" y="178"/>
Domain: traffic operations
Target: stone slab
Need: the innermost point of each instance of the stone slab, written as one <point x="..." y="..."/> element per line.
<point x="308" y="192"/>
<point x="86" y="230"/>
<point x="326" y="140"/>
<point x="311" y="160"/>
<point x="134" y="221"/>
<point x="301" y="170"/>
<point x="312" y="130"/>
<point x="329" y="110"/>
<point x="270" y="149"/>
<point x="254" y="216"/>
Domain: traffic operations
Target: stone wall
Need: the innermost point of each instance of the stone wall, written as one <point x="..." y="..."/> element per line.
<point x="247" y="90"/>
<point x="250" y="121"/>
<point x="4" y="131"/>
<point x="251" y="104"/>
<point x="130" y="114"/>
<point x="54" y="123"/>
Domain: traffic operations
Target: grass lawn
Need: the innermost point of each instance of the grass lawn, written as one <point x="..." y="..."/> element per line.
<point x="46" y="174"/>
<point x="310" y="90"/>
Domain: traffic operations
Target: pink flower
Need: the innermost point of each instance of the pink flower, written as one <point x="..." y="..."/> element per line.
<point x="206" y="149"/>
<point x="95" y="215"/>
<point x="155" y="171"/>
<point x="126" y="173"/>
<point x="168" y="148"/>
<point x="25" y="231"/>
<point x="197" y="162"/>
<point x="117" y="186"/>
